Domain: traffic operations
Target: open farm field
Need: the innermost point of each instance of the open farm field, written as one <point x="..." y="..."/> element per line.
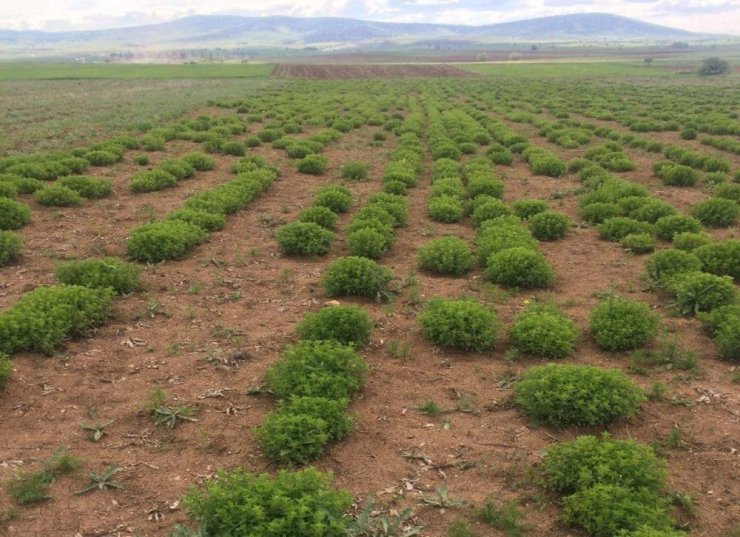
<point x="441" y="306"/>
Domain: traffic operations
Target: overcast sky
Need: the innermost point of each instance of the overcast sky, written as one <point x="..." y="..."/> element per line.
<point x="696" y="15"/>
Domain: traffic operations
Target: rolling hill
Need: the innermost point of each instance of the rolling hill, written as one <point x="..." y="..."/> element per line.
<point x="207" y="31"/>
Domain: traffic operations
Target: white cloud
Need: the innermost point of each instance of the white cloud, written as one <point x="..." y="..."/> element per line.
<point x="696" y="15"/>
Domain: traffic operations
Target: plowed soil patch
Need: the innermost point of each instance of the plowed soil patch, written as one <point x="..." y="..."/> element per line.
<point x="328" y="72"/>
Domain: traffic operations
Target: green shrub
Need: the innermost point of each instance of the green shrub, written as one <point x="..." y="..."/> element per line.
<point x="599" y="212"/>
<point x="141" y="160"/>
<point x="336" y="198"/>
<point x="499" y="234"/>
<point x="669" y="262"/>
<point x="526" y="208"/>
<point x="713" y="320"/>
<point x="200" y="161"/>
<point x="448" y="255"/>
<point x="728" y="191"/>
<point x="152" y="142"/>
<point x="162" y="241"/>
<point x="292" y="439"/>
<point x="348" y="325"/>
<point x="590" y="460"/>
<point x="303" y="238"/>
<point x="547" y="165"/>
<point x="8" y="190"/>
<point x="87" y="187"/>
<point x="678" y="175"/>
<point x="447" y="186"/>
<point x="605" y="510"/>
<point x="488" y="186"/>
<point x="356" y="276"/>
<point x="689" y="241"/>
<point x="332" y="411"/>
<point x="394" y="205"/>
<point x="101" y="158"/>
<point x="445" y="209"/>
<point x="459" y="324"/>
<point x="519" y="267"/>
<point x="252" y="141"/>
<point x="207" y="221"/>
<point x="667" y="226"/>
<point x="41" y="319"/>
<point x="696" y="292"/>
<point x="619" y="324"/>
<point x="638" y="243"/>
<point x="57" y="195"/>
<point x="489" y="210"/>
<point x="13" y="214"/>
<point x="721" y="258"/>
<point x="543" y="331"/>
<point x="6" y="369"/>
<point x="237" y="149"/>
<point x="375" y="212"/>
<point x="323" y="216"/>
<point x="652" y="210"/>
<point x="110" y="272"/>
<point x="395" y="187"/>
<point x="716" y="212"/>
<point x="177" y="167"/>
<point x="240" y="504"/>
<point x="617" y="228"/>
<point x="549" y="225"/>
<point x="27" y="185"/>
<point x="354" y="171"/>
<point x="152" y="181"/>
<point x="567" y="395"/>
<point x="11" y="247"/>
<point x="312" y="164"/>
<point x="368" y="242"/>
<point x="317" y="369"/>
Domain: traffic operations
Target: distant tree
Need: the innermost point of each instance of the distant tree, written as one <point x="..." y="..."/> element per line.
<point x="679" y="44"/>
<point x="482" y="57"/>
<point x="648" y="61"/>
<point x="514" y="56"/>
<point x="714" y="66"/>
<point x="535" y="47"/>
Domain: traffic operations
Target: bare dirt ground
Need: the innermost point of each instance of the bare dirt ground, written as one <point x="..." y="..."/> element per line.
<point x="330" y="72"/>
<point x="226" y="312"/>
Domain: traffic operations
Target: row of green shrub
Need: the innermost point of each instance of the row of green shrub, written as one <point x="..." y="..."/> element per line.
<point x="183" y="229"/>
<point x="170" y="172"/>
<point x="699" y="161"/>
<point x="314" y="380"/>
<point x="610" y="156"/>
<point x="544" y="162"/>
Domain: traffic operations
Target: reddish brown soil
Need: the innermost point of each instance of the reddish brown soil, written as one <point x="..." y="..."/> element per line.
<point x="331" y="72"/>
<point x="239" y="282"/>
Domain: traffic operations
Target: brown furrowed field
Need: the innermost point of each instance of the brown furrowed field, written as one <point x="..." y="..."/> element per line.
<point x="557" y="197"/>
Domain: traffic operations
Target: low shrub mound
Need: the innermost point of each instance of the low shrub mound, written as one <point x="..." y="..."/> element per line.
<point x="152" y="181"/>
<point x="526" y="208"/>
<point x="500" y="234"/>
<point x="605" y="510"/>
<point x="101" y="158"/>
<point x="87" y="187"/>
<point x="6" y="369"/>
<point x="599" y="460"/>
<point x="667" y="263"/>
<point x="576" y="395"/>
<point x="241" y="504"/>
<point x="617" y="228"/>
<point x="448" y="255"/>
<point x="356" y="276"/>
<point x="723" y="324"/>
<point x="458" y="324"/>
<point x="549" y="225"/>
<point x="200" y="161"/>
<point x="110" y="272"/>
<point x="207" y="221"/>
<point x="317" y="369"/>
<point x="163" y="241"/>
<point x="348" y="325"/>
<point x="57" y="195"/>
<point x="638" y="243"/>
<point x="716" y="212"/>
<point x="619" y="324"/>
<point x="445" y="209"/>
<point x="489" y="210"/>
<point x="697" y="292"/>
<point x="369" y="242"/>
<point x="11" y="247"/>
<point x="303" y="238"/>
<point x="312" y="164"/>
<point x="43" y="318"/>
<point x="519" y="267"/>
<point x="354" y="171"/>
<point x="721" y="258"/>
<point x="322" y="216"/>
<point x="543" y="331"/>
<point x="336" y="198"/>
<point x="667" y="227"/>
<point x="688" y="241"/>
